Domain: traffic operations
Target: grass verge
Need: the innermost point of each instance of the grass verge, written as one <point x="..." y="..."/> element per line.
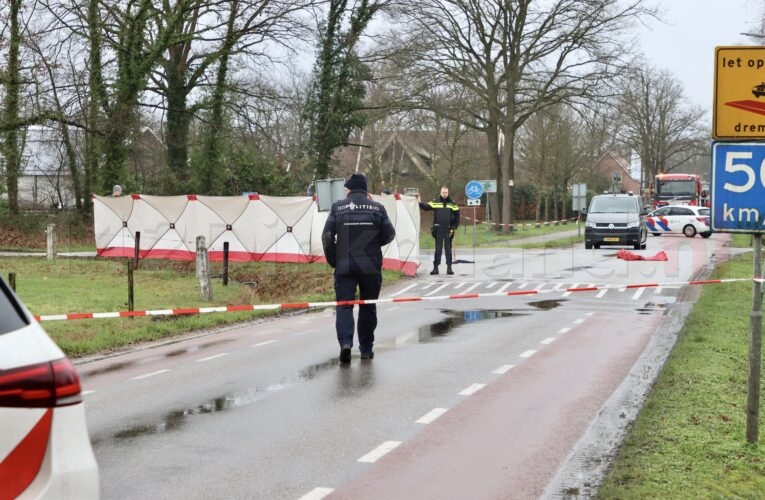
<point x="689" y="440"/>
<point x="487" y="237"/>
<point x="95" y="285"/>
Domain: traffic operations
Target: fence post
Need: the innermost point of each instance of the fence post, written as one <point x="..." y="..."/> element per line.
<point x="136" y="252"/>
<point x="203" y="271"/>
<point x="12" y="281"/>
<point x="131" y="302"/>
<point x="51" y="233"/>
<point x="225" y="263"/>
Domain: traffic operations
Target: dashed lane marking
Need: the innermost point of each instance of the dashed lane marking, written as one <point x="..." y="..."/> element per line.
<point x="504" y="287"/>
<point x="317" y="494"/>
<point x="85" y="393"/>
<point x="152" y="374"/>
<point x="261" y="344"/>
<point x="579" y="321"/>
<point x="471" y="390"/>
<point x="528" y="353"/>
<point x="379" y="452"/>
<point x="403" y="290"/>
<point x="472" y="287"/>
<point x="548" y="340"/>
<point x="564" y="330"/>
<point x="503" y="369"/>
<point x="214" y="356"/>
<point x="431" y="416"/>
<point x="437" y="289"/>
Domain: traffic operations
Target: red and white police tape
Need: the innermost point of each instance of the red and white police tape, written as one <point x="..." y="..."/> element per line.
<point x="523" y="225"/>
<point x="309" y="305"/>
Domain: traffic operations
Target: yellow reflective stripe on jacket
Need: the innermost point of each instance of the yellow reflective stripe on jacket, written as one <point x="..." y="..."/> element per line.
<point x="439" y="204"/>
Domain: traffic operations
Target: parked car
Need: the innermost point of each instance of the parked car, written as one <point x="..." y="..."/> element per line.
<point x="689" y="220"/>
<point x="615" y="219"/>
<point x="45" y="450"/>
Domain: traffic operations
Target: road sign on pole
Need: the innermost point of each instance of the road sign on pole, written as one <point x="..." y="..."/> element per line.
<point x="738" y="187"/>
<point x="473" y="190"/>
<point x="739" y="93"/>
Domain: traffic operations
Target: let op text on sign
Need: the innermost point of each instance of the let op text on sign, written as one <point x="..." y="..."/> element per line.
<point x="738" y="187"/>
<point x="739" y="93"/>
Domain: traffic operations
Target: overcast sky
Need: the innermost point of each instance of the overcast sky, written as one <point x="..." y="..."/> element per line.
<point x="685" y="42"/>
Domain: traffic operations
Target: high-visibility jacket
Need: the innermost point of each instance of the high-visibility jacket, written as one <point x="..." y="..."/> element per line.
<point x="446" y="213"/>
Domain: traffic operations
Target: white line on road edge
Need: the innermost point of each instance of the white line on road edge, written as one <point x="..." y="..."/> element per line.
<point x="503" y="369"/>
<point x="141" y="377"/>
<point x="216" y="356"/>
<point x="528" y="353"/>
<point x="261" y="344"/>
<point x="471" y="390"/>
<point x="317" y="494"/>
<point x="564" y="330"/>
<point x="548" y="340"/>
<point x="376" y="454"/>
<point x="404" y="290"/>
<point x="429" y="417"/>
<point x="85" y="393"/>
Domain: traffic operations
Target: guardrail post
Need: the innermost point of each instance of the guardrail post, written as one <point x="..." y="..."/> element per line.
<point x="131" y="302"/>
<point x="51" y="234"/>
<point x="203" y="271"/>
<point x="225" y="263"/>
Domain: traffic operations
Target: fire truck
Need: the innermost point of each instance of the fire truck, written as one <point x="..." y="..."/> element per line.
<point x="678" y="189"/>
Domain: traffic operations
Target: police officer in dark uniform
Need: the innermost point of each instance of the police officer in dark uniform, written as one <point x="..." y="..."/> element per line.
<point x="446" y="219"/>
<point x="356" y="230"/>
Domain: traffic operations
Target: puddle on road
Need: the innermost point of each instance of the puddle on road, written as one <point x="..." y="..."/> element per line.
<point x="350" y="380"/>
<point x="175" y="419"/>
<point x="454" y="319"/>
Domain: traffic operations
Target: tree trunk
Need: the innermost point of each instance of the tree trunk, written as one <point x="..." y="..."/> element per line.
<point x="178" y="122"/>
<point x="11" y="114"/>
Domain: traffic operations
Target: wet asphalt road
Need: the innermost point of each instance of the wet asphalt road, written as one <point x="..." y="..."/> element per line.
<point x="476" y="398"/>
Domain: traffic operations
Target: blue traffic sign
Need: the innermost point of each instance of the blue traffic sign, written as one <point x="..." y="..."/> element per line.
<point x="473" y="190"/>
<point x="738" y="187"/>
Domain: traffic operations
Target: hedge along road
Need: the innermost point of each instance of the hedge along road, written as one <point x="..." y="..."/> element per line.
<point x="474" y="398"/>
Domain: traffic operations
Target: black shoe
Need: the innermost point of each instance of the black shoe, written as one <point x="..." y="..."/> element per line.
<point x="434" y="271"/>
<point x="345" y="355"/>
<point x="367" y="355"/>
<point x="449" y="270"/>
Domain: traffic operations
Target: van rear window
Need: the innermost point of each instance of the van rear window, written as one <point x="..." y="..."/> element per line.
<point x="11" y="317"/>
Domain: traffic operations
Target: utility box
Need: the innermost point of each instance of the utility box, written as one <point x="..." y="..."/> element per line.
<point x="329" y="191"/>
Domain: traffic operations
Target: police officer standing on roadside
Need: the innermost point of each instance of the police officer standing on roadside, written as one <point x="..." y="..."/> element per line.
<point x="446" y="219"/>
<point x="356" y="230"/>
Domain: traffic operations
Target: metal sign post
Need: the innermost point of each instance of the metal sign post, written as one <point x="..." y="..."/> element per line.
<point x="474" y="191"/>
<point x="738" y="205"/>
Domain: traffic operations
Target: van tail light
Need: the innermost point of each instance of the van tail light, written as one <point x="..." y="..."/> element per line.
<point x="42" y="385"/>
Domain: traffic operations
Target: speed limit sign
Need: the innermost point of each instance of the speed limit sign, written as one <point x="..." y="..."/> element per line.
<point x="738" y="187"/>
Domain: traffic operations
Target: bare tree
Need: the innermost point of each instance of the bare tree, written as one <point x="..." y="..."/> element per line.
<point x="658" y="123"/>
<point x="515" y="58"/>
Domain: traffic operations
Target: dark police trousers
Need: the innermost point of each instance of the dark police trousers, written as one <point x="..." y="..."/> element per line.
<point x="345" y="289"/>
<point x="443" y="242"/>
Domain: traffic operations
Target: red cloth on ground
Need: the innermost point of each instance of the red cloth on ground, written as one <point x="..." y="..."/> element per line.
<point x="627" y="255"/>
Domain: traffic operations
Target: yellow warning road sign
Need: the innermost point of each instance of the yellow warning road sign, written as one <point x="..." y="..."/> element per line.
<point x="739" y="97"/>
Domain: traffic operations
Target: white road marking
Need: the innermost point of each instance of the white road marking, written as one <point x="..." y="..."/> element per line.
<point x="503" y="369"/>
<point x="437" y="289"/>
<point x="548" y="340"/>
<point x="564" y="330"/>
<point x="657" y="289"/>
<point x="431" y="416"/>
<point x="638" y="293"/>
<point x="404" y="289"/>
<point x="317" y="494"/>
<point x="528" y="353"/>
<point x="504" y="287"/>
<point x="590" y="314"/>
<point x="261" y="344"/>
<point x="215" y="356"/>
<point x="376" y="454"/>
<point x="85" y="393"/>
<point x="579" y="321"/>
<point x="459" y="285"/>
<point x="405" y="338"/>
<point x="471" y="390"/>
<point x="558" y="286"/>
<point x="539" y="287"/>
<point x="566" y="294"/>
<point x="472" y="287"/>
<point x="492" y="285"/>
<point x="158" y="372"/>
<point x="601" y="293"/>
<point x="523" y="285"/>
